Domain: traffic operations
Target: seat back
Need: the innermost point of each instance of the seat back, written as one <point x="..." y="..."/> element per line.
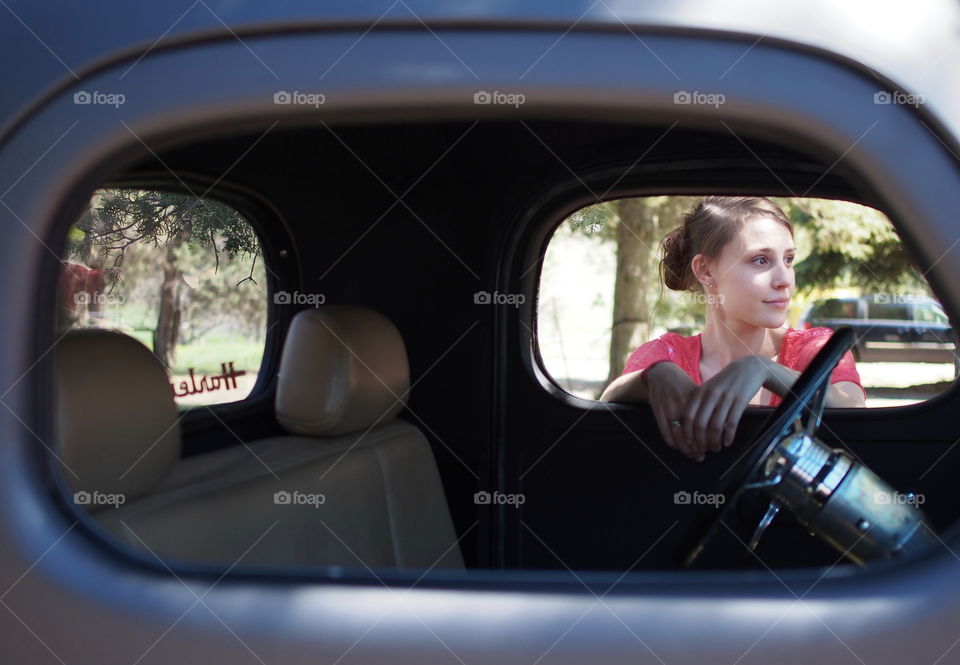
<point x="351" y="485"/>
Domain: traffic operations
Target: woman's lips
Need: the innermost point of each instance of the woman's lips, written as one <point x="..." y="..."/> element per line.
<point x="779" y="304"/>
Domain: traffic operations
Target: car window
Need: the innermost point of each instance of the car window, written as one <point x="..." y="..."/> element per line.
<point x="601" y="295"/>
<point x="184" y="275"/>
<point x="881" y="308"/>
<point x="835" y="309"/>
<point x="929" y="313"/>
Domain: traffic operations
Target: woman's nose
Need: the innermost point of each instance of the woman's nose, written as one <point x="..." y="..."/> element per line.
<point x="783" y="276"/>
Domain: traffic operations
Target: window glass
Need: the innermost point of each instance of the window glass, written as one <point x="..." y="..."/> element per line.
<point x="929" y="314"/>
<point x="836" y="309"/>
<point x="888" y="310"/>
<point x="183" y="275"/>
<point x="601" y="295"/>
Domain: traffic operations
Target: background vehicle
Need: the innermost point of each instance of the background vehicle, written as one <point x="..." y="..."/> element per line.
<point x="889" y="328"/>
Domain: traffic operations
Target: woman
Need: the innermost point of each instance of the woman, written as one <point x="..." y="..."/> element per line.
<point x="739" y="251"/>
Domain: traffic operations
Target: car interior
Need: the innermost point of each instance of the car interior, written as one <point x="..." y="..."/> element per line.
<point x="408" y="422"/>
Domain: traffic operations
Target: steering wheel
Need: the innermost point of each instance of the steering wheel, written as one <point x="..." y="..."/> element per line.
<point x="827" y="489"/>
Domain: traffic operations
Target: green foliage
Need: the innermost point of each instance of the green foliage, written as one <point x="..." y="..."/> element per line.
<point x="118" y="218"/>
<point x="598" y="220"/>
<point x="845" y="244"/>
<point x="221" y="278"/>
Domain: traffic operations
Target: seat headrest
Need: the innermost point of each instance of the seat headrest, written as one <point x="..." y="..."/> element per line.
<point x="344" y="368"/>
<point x="117" y="425"/>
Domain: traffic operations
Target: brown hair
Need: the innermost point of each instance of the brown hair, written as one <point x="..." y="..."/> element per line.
<point x="710" y="224"/>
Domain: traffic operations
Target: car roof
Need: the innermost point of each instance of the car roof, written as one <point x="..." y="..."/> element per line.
<point x="909" y="46"/>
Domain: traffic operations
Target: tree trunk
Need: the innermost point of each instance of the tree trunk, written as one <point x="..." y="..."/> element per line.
<point x="636" y="279"/>
<point x="643" y="222"/>
<point x="167" y="332"/>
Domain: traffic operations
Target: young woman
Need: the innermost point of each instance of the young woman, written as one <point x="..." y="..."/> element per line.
<point x="737" y="253"/>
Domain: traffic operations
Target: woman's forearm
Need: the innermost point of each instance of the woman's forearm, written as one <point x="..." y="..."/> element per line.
<point x="626" y="388"/>
<point x="632" y="388"/>
<point x="780" y="380"/>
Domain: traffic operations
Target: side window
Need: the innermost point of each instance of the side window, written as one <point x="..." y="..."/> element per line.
<point x="880" y="307"/>
<point x="601" y="294"/>
<point x="836" y="309"/>
<point x="183" y="275"/>
<point x="929" y="313"/>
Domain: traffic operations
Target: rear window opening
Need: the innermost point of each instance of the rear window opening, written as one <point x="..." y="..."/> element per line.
<point x="184" y="275"/>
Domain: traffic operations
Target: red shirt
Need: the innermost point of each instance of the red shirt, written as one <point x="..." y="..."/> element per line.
<point x="796" y="351"/>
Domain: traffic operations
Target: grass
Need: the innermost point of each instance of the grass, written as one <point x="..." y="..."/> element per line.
<point x="205" y="355"/>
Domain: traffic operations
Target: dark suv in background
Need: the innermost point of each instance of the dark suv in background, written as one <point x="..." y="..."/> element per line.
<point x="889" y="328"/>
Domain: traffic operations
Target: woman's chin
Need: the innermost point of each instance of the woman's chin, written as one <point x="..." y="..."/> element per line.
<point x="772" y="321"/>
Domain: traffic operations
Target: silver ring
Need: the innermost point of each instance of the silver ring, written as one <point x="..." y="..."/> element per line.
<point x="675" y="423"/>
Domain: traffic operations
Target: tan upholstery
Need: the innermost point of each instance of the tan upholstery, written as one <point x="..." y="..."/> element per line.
<point x="119" y="432"/>
<point x="382" y="505"/>
<point x="343" y="369"/>
<point x="382" y="501"/>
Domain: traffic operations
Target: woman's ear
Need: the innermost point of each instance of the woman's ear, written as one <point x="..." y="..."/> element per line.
<point x="702" y="270"/>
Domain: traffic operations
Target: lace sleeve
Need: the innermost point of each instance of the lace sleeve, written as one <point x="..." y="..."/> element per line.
<point x="646" y="354"/>
<point x="846" y="369"/>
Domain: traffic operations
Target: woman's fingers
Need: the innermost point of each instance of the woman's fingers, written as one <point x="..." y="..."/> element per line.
<point x="733" y="420"/>
<point x="718" y="428"/>
<point x="662" y="423"/>
<point x="691" y="448"/>
<point x="705" y="432"/>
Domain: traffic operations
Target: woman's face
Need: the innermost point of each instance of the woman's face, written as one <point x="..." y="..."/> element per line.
<point x="754" y="274"/>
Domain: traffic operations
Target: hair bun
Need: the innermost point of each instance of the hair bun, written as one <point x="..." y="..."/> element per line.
<point x="675" y="265"/>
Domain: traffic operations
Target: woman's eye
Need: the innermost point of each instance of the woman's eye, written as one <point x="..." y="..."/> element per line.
<point x="760" y="260"/>
<point x="790" y="260"/>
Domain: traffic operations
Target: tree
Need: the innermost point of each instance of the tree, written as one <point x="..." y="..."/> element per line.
<point x="848" y="245"/>
<point x="120" y="218"/>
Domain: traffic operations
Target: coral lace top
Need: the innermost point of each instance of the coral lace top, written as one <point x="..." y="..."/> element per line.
<point x="796" y="351"/>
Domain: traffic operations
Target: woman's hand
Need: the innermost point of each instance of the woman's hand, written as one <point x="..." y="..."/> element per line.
<point x="711" y="415"/>
<point x="669" y="389"/>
